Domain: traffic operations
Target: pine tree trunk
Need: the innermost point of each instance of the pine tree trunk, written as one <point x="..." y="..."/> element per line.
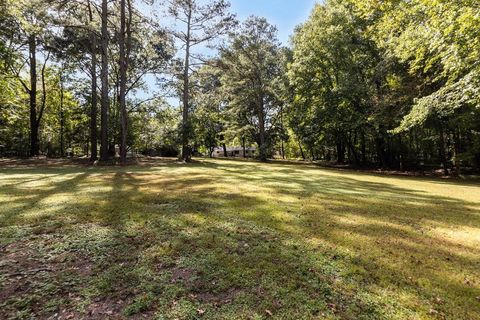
<point x="123" y="85"/>
<point x="104" y="78"/>
<point x="186" y="94"/>
<point x="93" y="110"/>
<point x="62" y="118"/>
<point x="261" y="121"/>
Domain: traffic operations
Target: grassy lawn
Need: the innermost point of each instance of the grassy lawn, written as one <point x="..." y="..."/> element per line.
<point x="236" y="240"/>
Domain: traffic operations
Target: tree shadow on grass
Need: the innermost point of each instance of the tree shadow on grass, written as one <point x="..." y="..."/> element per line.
<point x="307" y="183"/>
<point x="239" y="239"/>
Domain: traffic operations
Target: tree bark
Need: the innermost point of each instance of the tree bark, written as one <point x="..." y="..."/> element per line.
<point x="261" y="123"/>
<point x="62" y="118"/>
<point x="352" y="152"/>
<point x="457" y="150"/>
<point x="244" y="147"/>
<point x="281" y="126"/>
<point x="340" y="151"/>
<point x="301" y="150"/>
<point x="104" y="78"/>
<point x="186" y="96"/>
<point x="93" y="72"/>
<point x="225" y="152"/>
<point x="442" y="153"/>
<point x="123" y="84"/>
<point x="34" y="143"/>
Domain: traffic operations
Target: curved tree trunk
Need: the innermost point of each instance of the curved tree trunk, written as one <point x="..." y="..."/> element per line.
<point x="301" y="150"/>
<point x="34" y="141"/>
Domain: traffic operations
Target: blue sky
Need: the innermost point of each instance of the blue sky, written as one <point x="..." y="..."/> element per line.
<point x="285" y="14"/>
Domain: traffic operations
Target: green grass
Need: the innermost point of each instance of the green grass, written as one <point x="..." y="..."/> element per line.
<point x="236" y="240"/>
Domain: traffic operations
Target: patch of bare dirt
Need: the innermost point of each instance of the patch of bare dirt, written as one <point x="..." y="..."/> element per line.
<point x="102" y="308"/>
<point x="218" y="299"/>
<point x="184" y="275"/>
<point x="25" y="270"/>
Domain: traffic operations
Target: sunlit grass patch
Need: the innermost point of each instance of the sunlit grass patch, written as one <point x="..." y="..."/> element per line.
<point x="237" y="240"/>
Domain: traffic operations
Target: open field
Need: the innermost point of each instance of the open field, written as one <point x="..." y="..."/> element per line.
<point x="236" y="240"/>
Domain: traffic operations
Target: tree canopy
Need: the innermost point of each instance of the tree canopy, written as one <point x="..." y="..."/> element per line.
<point x="391" y="84"/>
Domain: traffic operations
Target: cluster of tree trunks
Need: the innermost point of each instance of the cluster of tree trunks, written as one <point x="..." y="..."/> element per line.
<point x="401" y="152"/>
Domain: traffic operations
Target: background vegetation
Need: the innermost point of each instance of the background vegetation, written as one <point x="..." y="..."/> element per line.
<point x="391" y="84"/>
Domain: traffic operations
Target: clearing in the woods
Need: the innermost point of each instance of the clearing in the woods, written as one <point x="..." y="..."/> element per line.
<point x="235" y="240"/>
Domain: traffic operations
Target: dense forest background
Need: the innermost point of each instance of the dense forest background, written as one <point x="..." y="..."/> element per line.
<point x="391" y="84"/>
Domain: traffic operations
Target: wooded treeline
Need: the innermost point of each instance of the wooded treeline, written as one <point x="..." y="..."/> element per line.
<point x="392" y="84"/>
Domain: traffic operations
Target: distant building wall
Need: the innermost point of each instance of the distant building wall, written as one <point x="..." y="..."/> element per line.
<point x="234" y="152"/>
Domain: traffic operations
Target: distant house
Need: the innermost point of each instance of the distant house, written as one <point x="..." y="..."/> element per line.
<point x="235" y="152"/>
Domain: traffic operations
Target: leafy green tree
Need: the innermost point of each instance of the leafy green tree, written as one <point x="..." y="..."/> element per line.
<point x="208" y="107"/>
<point x="439" y="40"/>
<point x="30" y="22"/>
<point x="333" y="76"/>
<point x="250" y="75"/>
<point x="153" y="127"/>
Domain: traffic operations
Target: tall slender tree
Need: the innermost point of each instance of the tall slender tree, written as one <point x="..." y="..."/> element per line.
<point x="125" y="40"/>
<point x="93" y="74"/>
<point x="29" y="38"/>
<point x="123" y="83"/>
<point x="202" y="23"/>
<point x="104" y="155"/>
